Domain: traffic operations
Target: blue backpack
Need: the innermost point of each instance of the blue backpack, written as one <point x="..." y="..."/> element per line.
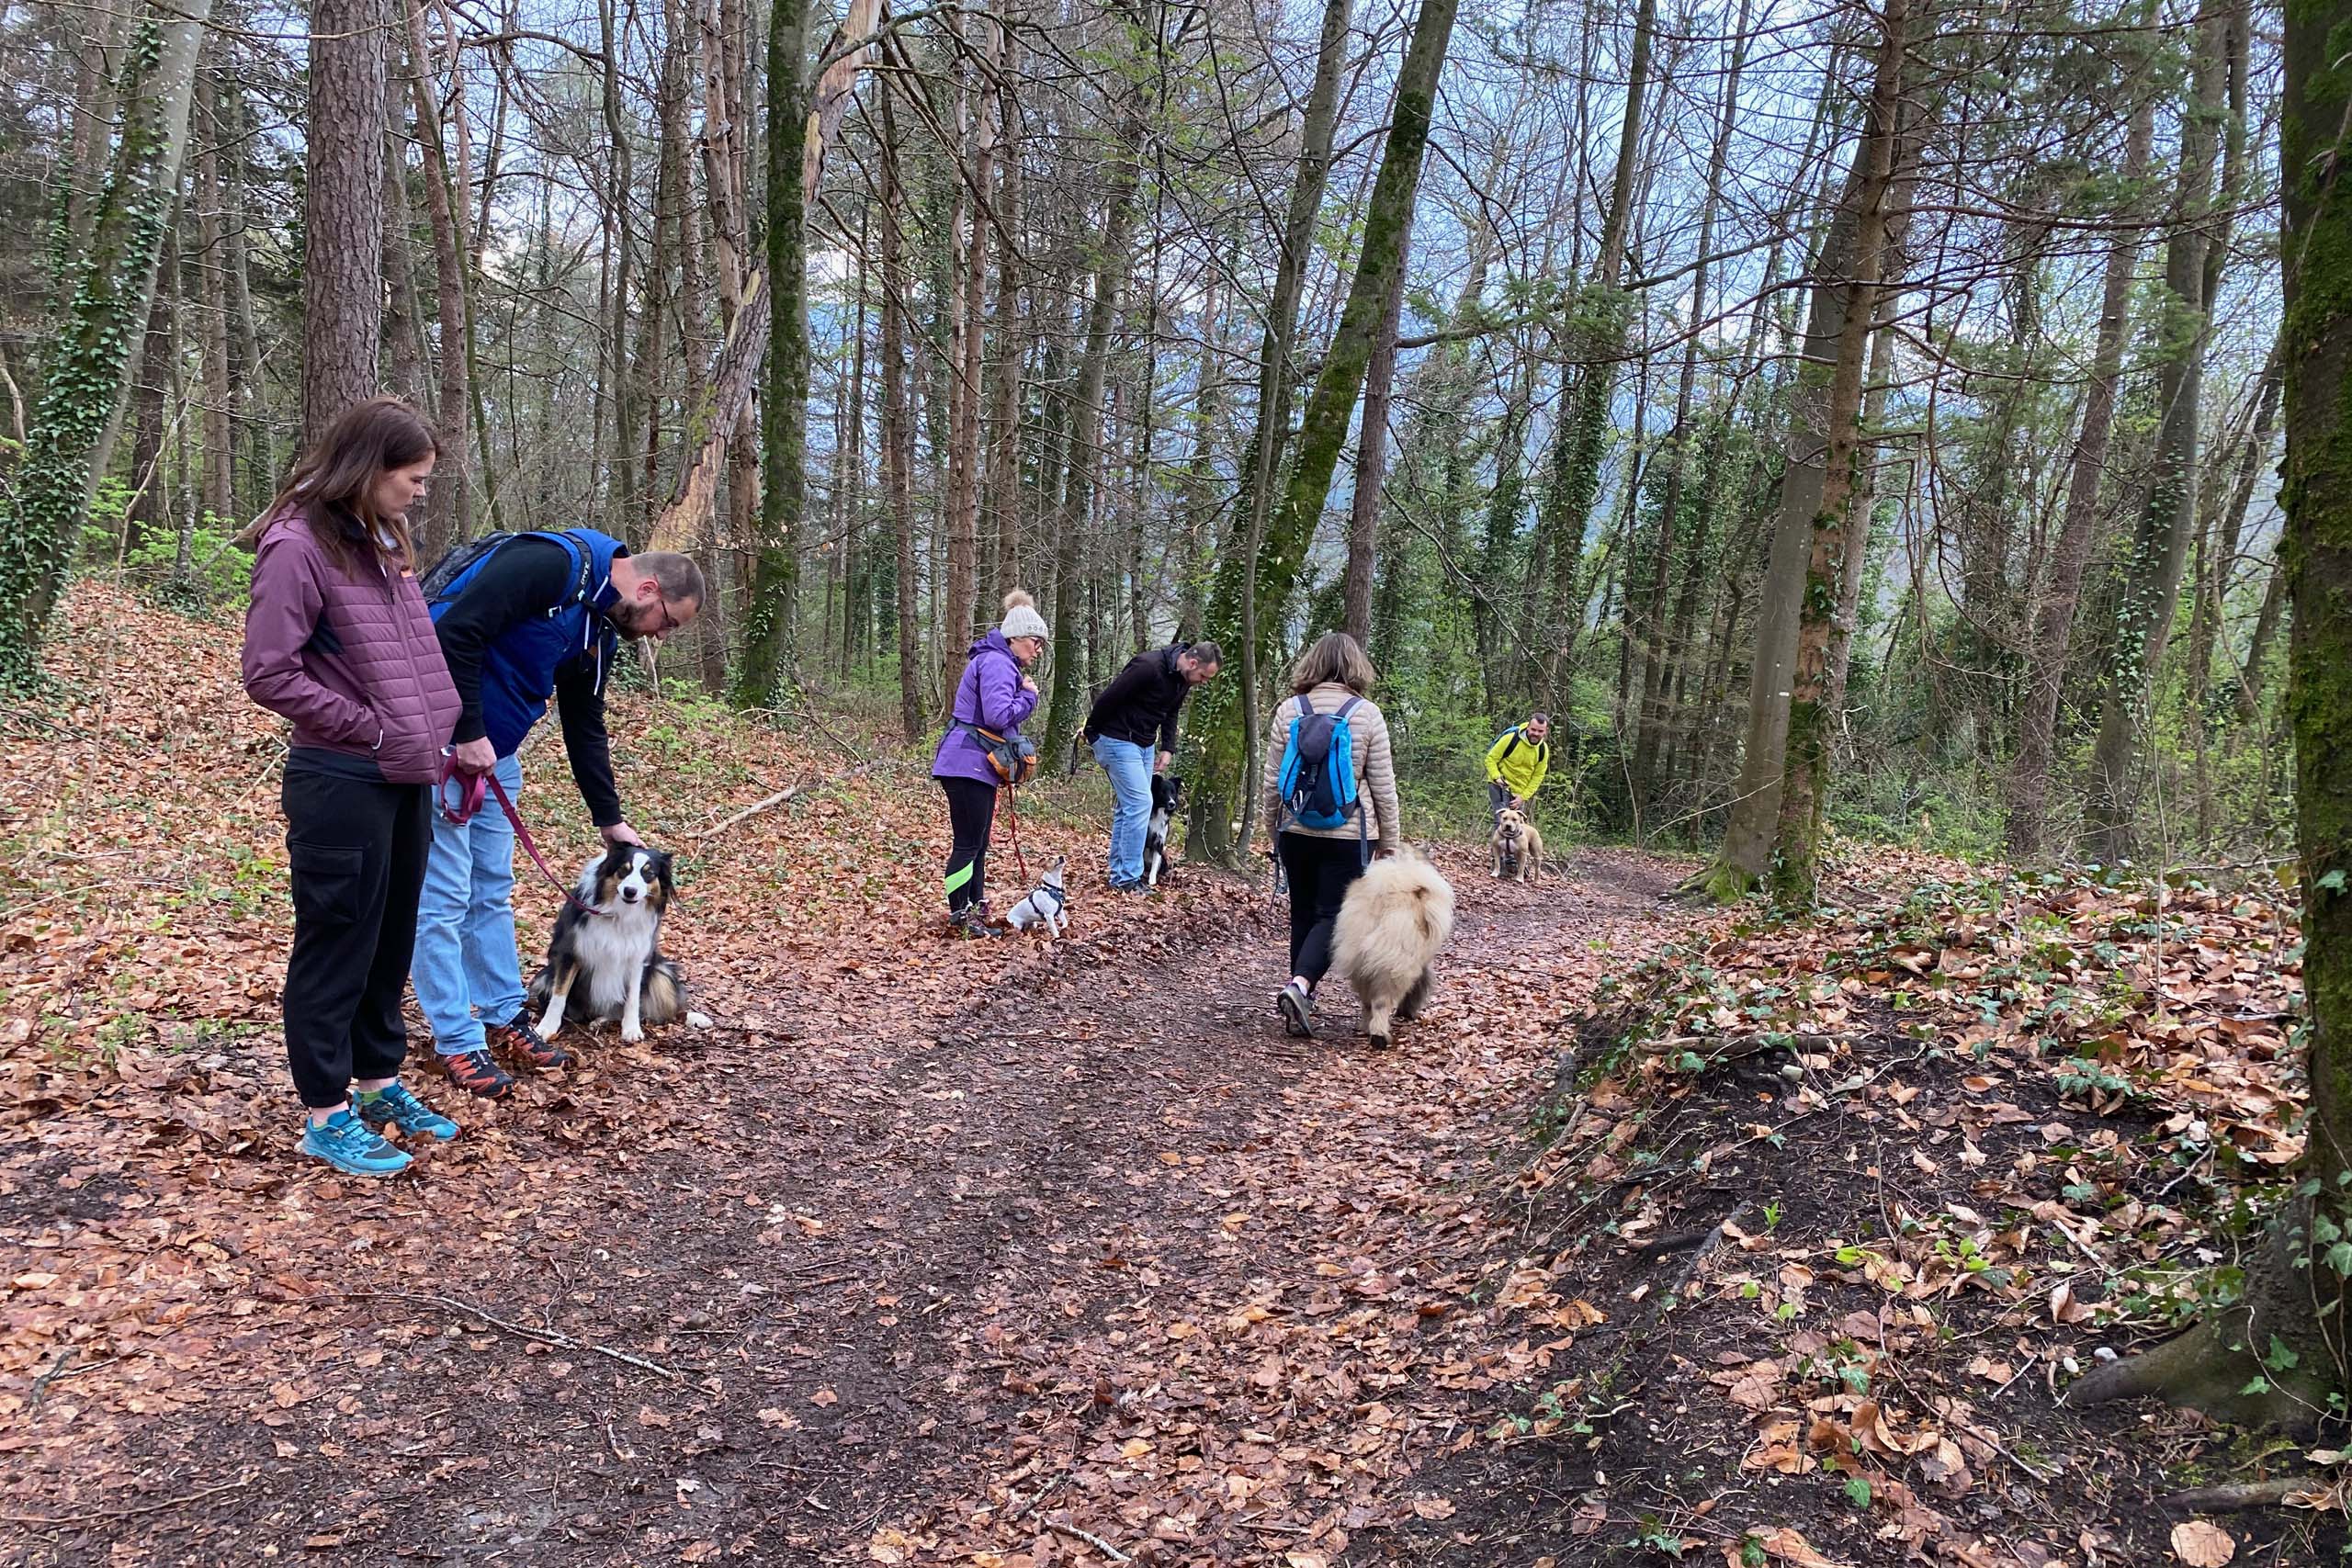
<point x="1319" y="774"/>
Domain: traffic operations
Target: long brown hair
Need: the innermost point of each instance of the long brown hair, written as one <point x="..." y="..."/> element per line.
<point x="1335" y="656"/>
<point x="333" y="484"/>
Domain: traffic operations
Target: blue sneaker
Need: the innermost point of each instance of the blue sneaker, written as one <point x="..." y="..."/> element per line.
<point x="343" y="1142"/>
<point x="396" y="1105"/>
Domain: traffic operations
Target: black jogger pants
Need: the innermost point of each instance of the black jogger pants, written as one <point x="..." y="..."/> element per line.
<point x="357" y="847"/>
<point x="1319" y="871"/>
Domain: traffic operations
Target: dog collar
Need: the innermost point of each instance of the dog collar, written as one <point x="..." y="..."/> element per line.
<point x="1060" y="897"/>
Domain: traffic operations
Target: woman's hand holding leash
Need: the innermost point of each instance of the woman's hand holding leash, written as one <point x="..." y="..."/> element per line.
<point x="475" y="756"/>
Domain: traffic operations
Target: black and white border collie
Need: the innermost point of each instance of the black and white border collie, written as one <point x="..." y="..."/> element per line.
<point x="607" y="958"/>
<point x="1167" y="795"/>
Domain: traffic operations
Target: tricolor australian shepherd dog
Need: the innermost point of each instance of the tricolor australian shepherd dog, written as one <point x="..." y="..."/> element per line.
<point x="606" y="960"/>
<point x="1166" y="798"/>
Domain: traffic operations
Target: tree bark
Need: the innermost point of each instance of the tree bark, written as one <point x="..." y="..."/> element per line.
<point x="1226" y="717"/>
<point x="1804" y="776"/>
<point x="2160" y="545"/>
<point x="1755" y="810"/>
<point x="1372" y="456"/>
<point x="150" y="514"/>
<point x="343" y="209"/>
<point x="1575" y="485"/>
<point x="897" y="427"/>
<point x="2275" y="1357"/>
<point x="769" y="641"/>
<point x="1077" y="508"/>
<point x="966" y="384"/>
<point x="446" y="510"/>
<point x="2045" y="664"/>
<point x="1647" y="633"/>
<point x="219" y="487"/>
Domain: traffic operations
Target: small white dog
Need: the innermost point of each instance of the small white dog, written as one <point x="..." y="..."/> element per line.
<point x="1396" y="918"/>
<point x="1044" y="904"/>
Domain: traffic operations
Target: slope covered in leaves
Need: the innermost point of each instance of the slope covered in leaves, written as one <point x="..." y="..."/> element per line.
<point x="1859" y="1194"/>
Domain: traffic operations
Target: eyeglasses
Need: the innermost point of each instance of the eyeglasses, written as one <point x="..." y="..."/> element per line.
<point x="670" y="623"/>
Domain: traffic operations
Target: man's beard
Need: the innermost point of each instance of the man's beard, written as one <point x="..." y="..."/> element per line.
<point x="634" y="622"/>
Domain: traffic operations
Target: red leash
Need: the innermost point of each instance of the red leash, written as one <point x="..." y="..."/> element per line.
<point x="1012" y="820"/>
<point x="469" y="802"/>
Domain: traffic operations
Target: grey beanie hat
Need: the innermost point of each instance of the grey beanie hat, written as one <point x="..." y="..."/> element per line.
<point x="1021" y="617"/>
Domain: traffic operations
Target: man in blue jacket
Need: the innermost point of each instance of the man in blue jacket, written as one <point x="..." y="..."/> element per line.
<point x="522" y="617"/>
<point x="1135" y="714"/>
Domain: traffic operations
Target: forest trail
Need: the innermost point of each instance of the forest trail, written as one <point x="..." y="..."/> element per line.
<point x="912" y="1235"/>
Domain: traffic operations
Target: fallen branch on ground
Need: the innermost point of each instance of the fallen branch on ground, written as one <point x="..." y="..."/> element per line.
<point x="1091" y="1539"/>
<point x="545" y="1336"/>
<point x="37" y="1521"/>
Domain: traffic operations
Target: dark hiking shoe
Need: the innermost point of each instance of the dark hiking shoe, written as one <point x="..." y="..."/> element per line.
<point x="1297" y="1007"/>
<point x="972" y="921"/>
<point x="474" y="1072"/>
<point x="520" y="1043"/>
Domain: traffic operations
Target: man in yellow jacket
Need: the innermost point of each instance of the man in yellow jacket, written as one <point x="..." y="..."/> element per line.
<point x="1516" y="763"/>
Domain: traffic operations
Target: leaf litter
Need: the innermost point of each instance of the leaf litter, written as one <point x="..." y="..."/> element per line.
<point x="1664" y="1234"/>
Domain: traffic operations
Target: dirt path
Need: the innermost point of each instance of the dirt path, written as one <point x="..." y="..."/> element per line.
<point x="1093" y="1227"/>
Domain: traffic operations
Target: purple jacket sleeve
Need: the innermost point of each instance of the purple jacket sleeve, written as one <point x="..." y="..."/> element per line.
<point x="287" y="600"/>
<point x="1005" y="703"/>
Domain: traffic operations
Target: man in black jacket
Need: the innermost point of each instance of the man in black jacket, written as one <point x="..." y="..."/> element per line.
<point x="1136" y="712"/>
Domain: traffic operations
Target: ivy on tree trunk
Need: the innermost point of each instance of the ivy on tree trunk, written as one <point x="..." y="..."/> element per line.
<point x="113" y="289"/>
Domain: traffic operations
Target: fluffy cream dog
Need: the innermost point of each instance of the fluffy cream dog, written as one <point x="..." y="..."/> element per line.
<point x="1396" y="917"/>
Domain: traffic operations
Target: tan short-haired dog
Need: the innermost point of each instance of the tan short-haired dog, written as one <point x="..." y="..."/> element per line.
<point x="1516" y="846"/>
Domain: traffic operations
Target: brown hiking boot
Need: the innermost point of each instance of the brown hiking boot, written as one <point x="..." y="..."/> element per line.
<point x="520" y="1043"/>
<point x="474" y="1072"/>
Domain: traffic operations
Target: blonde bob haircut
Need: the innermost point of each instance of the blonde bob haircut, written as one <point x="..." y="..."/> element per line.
<point x="1333" y="657"/>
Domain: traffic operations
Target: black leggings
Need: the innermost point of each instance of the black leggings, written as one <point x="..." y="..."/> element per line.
<point x="1320" y="871"/>
<point x="971" y="812"/>
<point x="358" y="848"/>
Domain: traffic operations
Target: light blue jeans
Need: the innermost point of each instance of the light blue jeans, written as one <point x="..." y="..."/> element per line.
<point x="1130" y="766"/>
<point x="465" y="969"/>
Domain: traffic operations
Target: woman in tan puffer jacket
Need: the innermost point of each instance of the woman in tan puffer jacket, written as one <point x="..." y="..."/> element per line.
<point x="1321" y="861"/>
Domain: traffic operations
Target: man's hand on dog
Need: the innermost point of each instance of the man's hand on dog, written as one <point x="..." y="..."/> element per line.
<point x="621" y="833"/>
<point x="475" y="756"/>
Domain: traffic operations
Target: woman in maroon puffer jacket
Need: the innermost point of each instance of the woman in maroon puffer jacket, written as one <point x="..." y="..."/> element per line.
<point x="338" y="641"/>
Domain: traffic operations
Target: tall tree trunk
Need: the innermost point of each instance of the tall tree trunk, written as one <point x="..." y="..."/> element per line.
<point x="1755" y="811"/>
<point x="1004" y="415"/>
<point x="2053" y="619"/>
<point x="149" y="515"/>
<point x="1076" y="510"/>
<point x="769" y="639"/>
<point x="219" y="488"/>
<point x="964" y="437"/>
<point x="897" y="427"/>
<point x="2276" y="1355"/>
<point x="1225" y="715"/>
<point x="261" y="459"/>
<point x="446" y="510"/>
<point x="404" y="323"/>
<point x="2160" y="545"/>
<point x="1372" y="454"/>
<point x="621" y="195"/>
<point x="342" y="208"/>
<point x="1647" y="633"/>
<point x="1804" y="777"/>
<point x="41" y="514"/>
<point x="1574" y="484"/>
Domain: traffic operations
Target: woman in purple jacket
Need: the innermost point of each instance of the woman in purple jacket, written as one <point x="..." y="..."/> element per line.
<point x="995" y="694"/>
<point x="338" y="641"/>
